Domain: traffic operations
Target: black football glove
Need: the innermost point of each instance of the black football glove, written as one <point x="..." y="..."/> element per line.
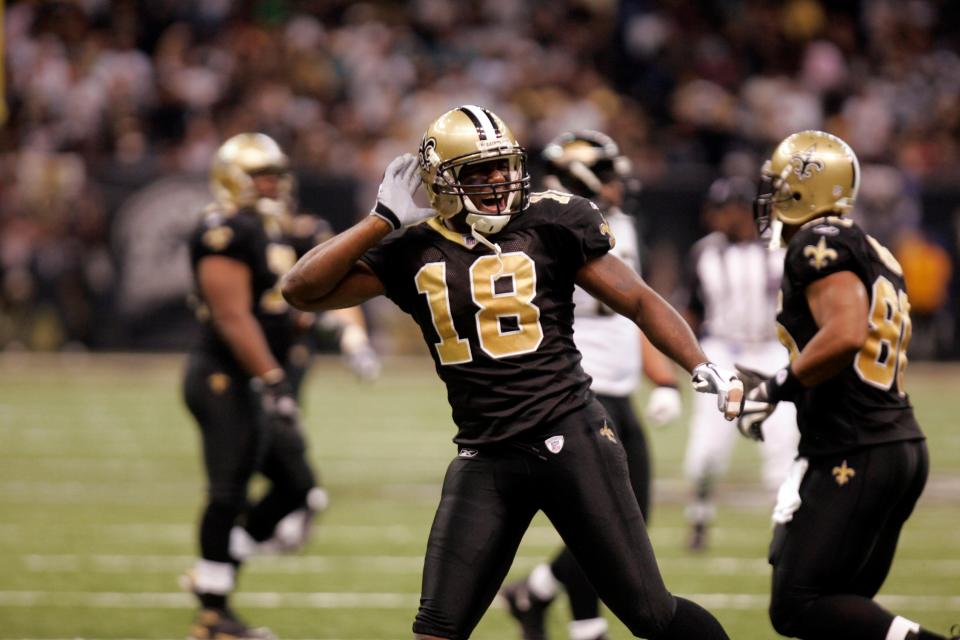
<point x="279" y="405"/>
<point x="763" y="393"/>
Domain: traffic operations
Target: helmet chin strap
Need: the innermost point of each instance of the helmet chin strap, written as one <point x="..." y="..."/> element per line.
<point x="493" y="246"/>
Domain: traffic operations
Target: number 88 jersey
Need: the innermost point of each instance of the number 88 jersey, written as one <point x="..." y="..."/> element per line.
<point x="866" y="402"/>
<point x="499" y="328"/>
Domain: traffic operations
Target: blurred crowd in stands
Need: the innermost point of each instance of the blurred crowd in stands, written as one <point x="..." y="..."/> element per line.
<point x="114" y="108"/>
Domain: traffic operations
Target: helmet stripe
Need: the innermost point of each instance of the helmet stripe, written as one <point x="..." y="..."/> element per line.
<point x="493" y="121"/>
<point x="486" y="128"/>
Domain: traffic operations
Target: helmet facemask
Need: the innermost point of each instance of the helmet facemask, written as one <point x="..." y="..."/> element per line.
<point x="489" y="205"/>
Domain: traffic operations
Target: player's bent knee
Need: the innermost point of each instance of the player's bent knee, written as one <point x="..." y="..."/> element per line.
<point x="785" y="612"/>
<point x="653" y="620"/>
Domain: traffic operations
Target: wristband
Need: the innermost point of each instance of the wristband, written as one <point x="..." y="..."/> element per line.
<point x="783" y="385"/>
<point x="383" y="211"/>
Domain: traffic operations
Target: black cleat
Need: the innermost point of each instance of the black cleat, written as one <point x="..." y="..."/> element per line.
<point x="698" y="537"/>
<point x="527" y="609"/>
<point x="223" y="624"/>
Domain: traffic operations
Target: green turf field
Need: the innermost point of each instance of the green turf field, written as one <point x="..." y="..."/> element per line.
<point x="100" y="486"/>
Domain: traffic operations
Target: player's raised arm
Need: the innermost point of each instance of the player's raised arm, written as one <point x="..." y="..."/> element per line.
<point x="330" y="276"/>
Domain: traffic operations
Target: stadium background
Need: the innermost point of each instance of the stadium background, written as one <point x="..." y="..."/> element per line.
<point x="112" y="112"/>
<point x="115" y="107"/>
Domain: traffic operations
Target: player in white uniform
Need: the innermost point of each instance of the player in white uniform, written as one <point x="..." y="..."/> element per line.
<point x="589" y="164"/>
<point x="733" y="297"/>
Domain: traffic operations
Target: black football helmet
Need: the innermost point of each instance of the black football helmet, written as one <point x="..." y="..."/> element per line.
<point x="580" y="162"/>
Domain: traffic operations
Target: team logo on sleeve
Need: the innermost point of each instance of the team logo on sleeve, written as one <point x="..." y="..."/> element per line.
<point x="605" y="231"/>
<point x="218" y="238"/>
<point x="819" y="255"/>
<point x="554" y="444"/>
<point x="607" y="432"/>
<point x="843" y="473"/>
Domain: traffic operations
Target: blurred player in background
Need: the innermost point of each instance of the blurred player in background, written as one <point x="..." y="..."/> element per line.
<point x="733" y="296"/>
<point x="844" y="316"/>
<point x="589" y="164"/>
<point x="243" y="375"/>
<point x="488" y="272"/>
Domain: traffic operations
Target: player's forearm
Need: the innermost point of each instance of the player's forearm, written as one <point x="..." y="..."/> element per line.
<point x="243" y="335"/>
<point x="828" y="353"/>
<point x="318" y="272"/>
<point x="656" y="366"/>
<point x="669" y="332"/>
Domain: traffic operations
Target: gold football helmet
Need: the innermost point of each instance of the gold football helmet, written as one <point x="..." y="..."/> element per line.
<point x="811" y="173"/>
<point x="239" y="158"/>
<point x="471" y="135"/>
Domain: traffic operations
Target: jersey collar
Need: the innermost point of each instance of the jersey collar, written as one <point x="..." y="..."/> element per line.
<point x="465" y="240"/>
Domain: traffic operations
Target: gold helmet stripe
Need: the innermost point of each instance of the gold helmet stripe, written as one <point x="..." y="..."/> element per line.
<point x="487" y="128"/>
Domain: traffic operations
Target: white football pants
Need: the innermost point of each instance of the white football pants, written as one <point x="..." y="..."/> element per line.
<point x="711" y="438"/>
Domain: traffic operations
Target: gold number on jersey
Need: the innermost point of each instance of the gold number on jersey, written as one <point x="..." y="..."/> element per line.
<point x="782" y="334"/>
<point x="508" y="323"/>
<point x="515" y="303"/>
<point x="883" y="358"/>
<point x="280" y="259"/>
<point x="432" y="281"/>
<point x="886" y="257"/>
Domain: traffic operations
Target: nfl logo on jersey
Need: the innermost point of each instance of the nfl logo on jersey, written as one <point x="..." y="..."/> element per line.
<point x="554" y="444"/>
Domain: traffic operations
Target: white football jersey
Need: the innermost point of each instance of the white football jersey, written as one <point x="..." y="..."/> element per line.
<point x="734" y="288"/>
<point x="610" y="343"/>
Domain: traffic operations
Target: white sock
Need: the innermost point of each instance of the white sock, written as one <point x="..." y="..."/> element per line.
<point x="242" y="545"/>
<point x="542" y="583"/>
<point x="900" y="627"/>
<point x="589" y="629"/>
<point x="213" y="577"/>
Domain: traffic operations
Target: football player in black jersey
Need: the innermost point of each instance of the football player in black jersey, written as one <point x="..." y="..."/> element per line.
<point x="242" y="376"/>
<point x="843" y="315"/>
<point x="488" y="271"/>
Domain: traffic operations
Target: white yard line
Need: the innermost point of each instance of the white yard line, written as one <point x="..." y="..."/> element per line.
<point x="331" y="600"/>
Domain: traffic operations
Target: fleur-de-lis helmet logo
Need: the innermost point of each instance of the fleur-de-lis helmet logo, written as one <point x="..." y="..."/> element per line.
<point x="804" y="163"/>
<point x="427" y="149"/>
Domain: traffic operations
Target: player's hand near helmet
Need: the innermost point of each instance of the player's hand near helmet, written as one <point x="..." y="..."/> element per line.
<point x="395" y="202"/>
<point x="763" y="393"/>
<point x="709" y="378"/>
<point x="663" y="406"/>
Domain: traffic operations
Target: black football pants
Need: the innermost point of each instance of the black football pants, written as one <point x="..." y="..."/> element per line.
<point x="491" y="493"/>
<point x="832" y="558"/>
<point x="238" y="442"/>
<point x="584" y="604"/>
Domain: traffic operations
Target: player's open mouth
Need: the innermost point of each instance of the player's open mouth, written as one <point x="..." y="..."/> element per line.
<point x="494" y="203"/>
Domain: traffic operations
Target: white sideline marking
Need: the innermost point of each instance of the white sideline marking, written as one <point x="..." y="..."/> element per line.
<point x="321" y="600"/>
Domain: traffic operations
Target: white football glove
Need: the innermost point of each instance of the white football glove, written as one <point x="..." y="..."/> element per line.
<point x="365" y="364"/>
<point x="358" y="354"/>
<point x="395" y="196"/>
<point x="709" y="378"/>
<point x="664" y="405"/>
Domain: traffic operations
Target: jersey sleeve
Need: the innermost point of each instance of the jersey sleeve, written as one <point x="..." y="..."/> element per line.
<point x="386" y="259"/>
<point x="822" y="249"/>
<point x="219" y="235"/>
<point x="588" y="235"/>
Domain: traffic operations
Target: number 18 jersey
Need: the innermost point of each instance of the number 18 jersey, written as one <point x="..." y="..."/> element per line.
<point x="499" y="328"/>
<point x="865" y="403"/>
